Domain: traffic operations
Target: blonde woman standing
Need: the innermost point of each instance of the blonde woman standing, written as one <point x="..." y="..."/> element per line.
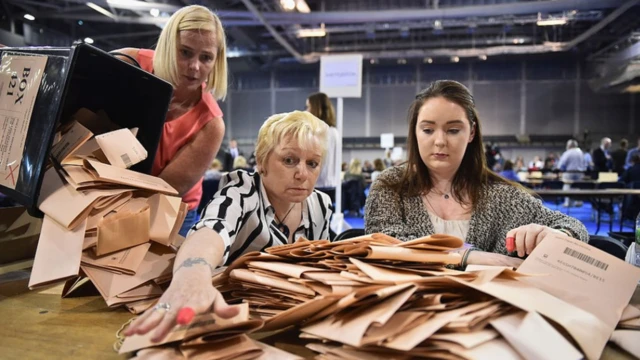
<point x="191" y="55"/>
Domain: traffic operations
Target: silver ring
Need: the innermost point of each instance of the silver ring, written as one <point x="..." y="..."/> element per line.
<point x="162" y="306"/>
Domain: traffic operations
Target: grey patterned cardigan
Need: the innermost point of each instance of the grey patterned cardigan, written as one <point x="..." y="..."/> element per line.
<point x="504" y="207"/>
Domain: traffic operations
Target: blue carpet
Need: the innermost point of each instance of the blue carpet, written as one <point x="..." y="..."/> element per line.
<point x="584" y="214"/>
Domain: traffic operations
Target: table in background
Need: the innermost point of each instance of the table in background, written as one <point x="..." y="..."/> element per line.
<point x="41" y="325"/>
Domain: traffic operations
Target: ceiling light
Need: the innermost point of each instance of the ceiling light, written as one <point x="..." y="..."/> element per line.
<point x="88" y="40"/>
<point x="455" y="59"/>
<point x="402" y="61"/>
<point x="318" y="32"/>
<point x="302" y="6"/>
<point x="437" y="25"/>
<point x="482" y="57"/>
<point x="101" y="10"/>
<point x="154" y="12"/>
<point x="29" y="17"/>
<point x="288" y="5"/>
<point x="80" y="22"/>
<point x="427" y="60"/>
<point x="373" y="61"/>
<point x="552" y="22"/>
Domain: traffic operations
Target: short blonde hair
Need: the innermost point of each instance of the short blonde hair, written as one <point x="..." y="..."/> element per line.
<point x="216" y="164"/>
<point x="239" y="162"/>
<point x="307" y="129"/>
<point x="194" y="17"/>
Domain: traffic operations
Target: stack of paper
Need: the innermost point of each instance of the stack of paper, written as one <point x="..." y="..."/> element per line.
<point x="376" y="297"/>
<point x="104" y="222"/>
<point x="207" y="337"/>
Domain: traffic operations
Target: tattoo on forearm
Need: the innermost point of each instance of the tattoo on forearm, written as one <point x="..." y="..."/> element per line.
<point x="190" y="262"/>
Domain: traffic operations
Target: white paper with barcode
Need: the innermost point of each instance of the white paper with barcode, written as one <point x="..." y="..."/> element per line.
<point x="121" y="148"/>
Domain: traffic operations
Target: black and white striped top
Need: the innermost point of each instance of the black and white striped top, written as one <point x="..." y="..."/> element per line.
<point x="245" y="219"/>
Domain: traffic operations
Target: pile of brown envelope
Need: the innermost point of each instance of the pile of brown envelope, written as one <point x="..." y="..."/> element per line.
<point x="375" y="297"/>
<point x="103" y="222"/>
<point x="208" y="337"/>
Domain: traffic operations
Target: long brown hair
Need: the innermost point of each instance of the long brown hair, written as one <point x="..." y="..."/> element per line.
<point x="322" y="108"/>
<point x="473" y="173"/>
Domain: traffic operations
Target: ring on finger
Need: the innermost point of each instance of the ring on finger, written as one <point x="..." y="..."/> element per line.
<point x="164" y="307"/>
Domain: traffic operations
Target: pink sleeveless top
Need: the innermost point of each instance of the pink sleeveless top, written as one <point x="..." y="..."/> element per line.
<point x="179" y="132"/>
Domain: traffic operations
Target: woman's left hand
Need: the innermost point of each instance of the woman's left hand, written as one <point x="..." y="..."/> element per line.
<point x="527" y="237"/>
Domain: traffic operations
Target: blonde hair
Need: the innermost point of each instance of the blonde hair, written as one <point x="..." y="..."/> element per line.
<point x="307" y="129"/>
<point x="355" y="167"/>
<point x="216" y="164"/>
<point x="194" y="17"/>
<point x="239" y="162"/>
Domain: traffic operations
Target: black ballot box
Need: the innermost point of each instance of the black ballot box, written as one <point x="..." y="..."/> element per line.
<point x="76" y="77"/>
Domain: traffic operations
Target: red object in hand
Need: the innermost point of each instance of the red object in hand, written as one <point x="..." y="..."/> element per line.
<point x="185" y="315"/>
<point x="511" y="244"/>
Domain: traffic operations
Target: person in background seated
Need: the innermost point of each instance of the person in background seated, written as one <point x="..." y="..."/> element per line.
<point x="191" y="55"/>
<point x="378" y="168"/>
<point x="214" y="171"/>
<point x="274" y="206"/>
<point x="632" y="174"/>
<point x="508" y="172"/>
<point x="601" y="157"/>
<point x="619" y="156"/>
<point x="446" y="187"/>
<point x="321" y="107"/>
<point x="536" y="164"/>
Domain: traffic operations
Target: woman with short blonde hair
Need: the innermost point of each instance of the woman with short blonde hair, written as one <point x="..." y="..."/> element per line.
<point x="191" y="56"/>
<point x="274" y="206"/>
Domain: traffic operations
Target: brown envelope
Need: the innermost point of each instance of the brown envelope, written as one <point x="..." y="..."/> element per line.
<point x="157" y="262"/>
<point x="112" y="174"/>
<point x="398" y="323"/>
<point x="140" y="306"/>
<point x="123" y="230"/>
<point x="167" y="216"/>
<point x="58" y="254"/>
<point x="121" y="148"/>
<point x="468" y="340"/>
<point x="125" y="261"/>
<point x="586" y="329"/>
<point x="296" y="315"/>
<point x="583" y="276"/>
<point x="272" y="353"/>
<point x="534" y="338"/>
<point x="273" y="282"/>
<point x="434" y="242"/>
<point x="290" y="270"/>
<point x="350" y="330"/>
<point x="147" y="291"/>
<point x="386" y="275"/>
<point x="72" y="139"/>
<point x="98" y="123"/>
<point x="77" y="205"/>
<point x="205" y="324"/>
<point x="237" y="347"/>
<point x="411" y="338"/>
<point x="97" y="215"/>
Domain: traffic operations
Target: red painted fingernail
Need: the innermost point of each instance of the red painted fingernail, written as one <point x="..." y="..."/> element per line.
<point x="185" y="315"/>
<point x="511" y="244"/>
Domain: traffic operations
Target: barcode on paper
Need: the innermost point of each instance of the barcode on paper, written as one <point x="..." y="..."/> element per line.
<point x="126" y="159"/>
<point x="586" y="258"/>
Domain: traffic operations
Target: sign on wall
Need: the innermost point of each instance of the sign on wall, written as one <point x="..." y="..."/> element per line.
<point x="341" y="75"/>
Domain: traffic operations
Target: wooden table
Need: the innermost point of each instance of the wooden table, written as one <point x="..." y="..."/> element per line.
<point x="41" y="325"/>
